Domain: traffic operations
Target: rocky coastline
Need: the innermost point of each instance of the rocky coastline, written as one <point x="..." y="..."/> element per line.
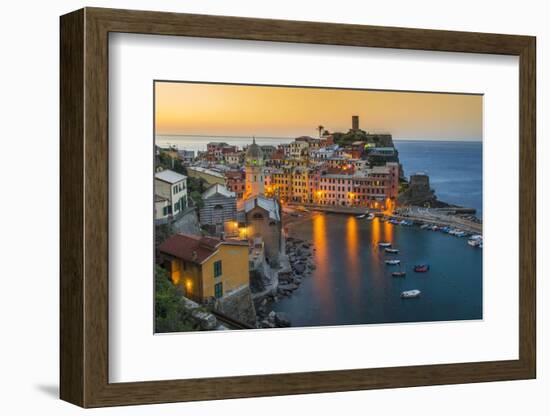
<point x="300" y="256"/>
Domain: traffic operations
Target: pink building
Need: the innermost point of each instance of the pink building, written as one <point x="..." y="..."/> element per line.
<point x="236" y="182"/>
<point x="376" y="188"/>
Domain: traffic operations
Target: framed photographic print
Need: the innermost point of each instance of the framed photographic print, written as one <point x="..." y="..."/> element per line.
<point x="255" y="207"/>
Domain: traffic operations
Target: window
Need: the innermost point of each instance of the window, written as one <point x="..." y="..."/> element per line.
<point x="218" y="290"/>
<point x="174" y="190"/>
<point x="217" y="268"/>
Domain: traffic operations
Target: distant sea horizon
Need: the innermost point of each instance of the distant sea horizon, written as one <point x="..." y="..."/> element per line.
<point x="198" y="142"/>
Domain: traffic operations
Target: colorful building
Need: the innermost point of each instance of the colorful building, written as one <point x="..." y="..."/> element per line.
<point x="375" y="188"/>
<point x="205" y="268"/>
<point x="236" y="182"/>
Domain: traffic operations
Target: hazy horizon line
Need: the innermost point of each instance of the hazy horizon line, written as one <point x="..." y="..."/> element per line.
<point x="207" y="136"/>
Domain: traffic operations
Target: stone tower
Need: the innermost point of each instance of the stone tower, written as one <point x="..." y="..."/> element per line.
<point x="254" y="168"/>
<point x="355" y="123"/>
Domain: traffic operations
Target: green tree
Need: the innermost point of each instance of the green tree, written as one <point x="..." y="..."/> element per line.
<point x="170" y="312"/>
<point x="162" y="232"/>
<point x="196" y="197"/>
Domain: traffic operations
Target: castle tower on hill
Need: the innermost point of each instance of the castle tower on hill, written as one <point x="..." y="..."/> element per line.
<point x="355" y="123"/>
<point x="254" y="171"/>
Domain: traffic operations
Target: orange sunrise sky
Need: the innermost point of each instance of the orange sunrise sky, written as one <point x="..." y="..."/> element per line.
<point x="242" y="110"/>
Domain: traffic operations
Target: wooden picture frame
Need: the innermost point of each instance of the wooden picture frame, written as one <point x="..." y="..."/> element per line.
<point x="84" y="207"/>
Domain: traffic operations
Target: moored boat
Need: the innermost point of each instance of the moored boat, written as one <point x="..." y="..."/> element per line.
<point x="384" y="244"/>
<point x="370" y="216"/>
<point x="421" y="268"/>
<point x="393" y="262"/>
<point x="391" y="250"/>
<point x="476" y="241"/>
<point x="361" y="216"/>
<point x="407" y="294"/>
<point x="399" y="274"/>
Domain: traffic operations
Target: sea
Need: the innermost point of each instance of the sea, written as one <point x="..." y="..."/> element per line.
<point x="352" y="285"/>
<point x="455" y="169"/>
<point x="198" y="143"/>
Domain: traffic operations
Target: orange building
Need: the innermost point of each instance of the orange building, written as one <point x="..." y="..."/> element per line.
<point x="205" y="267"/>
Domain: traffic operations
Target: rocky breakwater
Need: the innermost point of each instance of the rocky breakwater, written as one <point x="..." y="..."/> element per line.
<point x="300" y="256"/>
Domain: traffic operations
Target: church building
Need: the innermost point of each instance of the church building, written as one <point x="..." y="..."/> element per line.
<point x="254" y="171"/>
<point x="263" y="214"/>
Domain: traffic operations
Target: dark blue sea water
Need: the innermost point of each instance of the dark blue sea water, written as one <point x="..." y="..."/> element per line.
<point x="353" y="285"/>
<point x="455" y="169"/>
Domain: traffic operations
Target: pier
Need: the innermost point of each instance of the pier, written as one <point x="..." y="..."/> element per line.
<point x="441" y="218"/>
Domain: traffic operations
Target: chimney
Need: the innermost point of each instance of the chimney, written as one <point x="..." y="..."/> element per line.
<point x="194" y="255"/>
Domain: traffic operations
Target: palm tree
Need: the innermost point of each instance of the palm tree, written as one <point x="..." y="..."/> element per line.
<point x="320" y="128"/>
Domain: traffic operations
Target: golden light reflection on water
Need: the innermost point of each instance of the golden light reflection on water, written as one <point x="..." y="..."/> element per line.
<point x="380" y="232"/>
<point x="352" y="242"/>
<point x="322" y="259"/>
<point x="376" y="232"/>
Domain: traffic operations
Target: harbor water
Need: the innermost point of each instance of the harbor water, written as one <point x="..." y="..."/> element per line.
<point x="352" y="284"/>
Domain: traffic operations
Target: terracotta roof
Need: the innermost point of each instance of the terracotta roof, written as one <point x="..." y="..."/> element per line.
<point x="194" y="248"/>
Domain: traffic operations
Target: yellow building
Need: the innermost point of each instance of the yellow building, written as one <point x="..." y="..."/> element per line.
<point x="205" y="267"/>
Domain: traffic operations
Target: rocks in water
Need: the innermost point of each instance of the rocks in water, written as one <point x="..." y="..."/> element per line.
<point x="291" y="286"/>
<point x="300" y="256"/>
<point x="275" y="320"/>
<point x="285" y="277"/>
<point x="299" y="268"/>
<point x="282" y="320"/>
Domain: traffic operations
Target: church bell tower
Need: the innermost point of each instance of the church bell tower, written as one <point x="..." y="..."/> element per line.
<point x="254" y="168"/>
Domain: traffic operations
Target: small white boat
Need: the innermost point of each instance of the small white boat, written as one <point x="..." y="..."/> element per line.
<point x="370" y="216"/>
<point x="361" y="216"/>
<point x="393" y="262"/>
<point x="474" y="243"/>
<point x="384" y="244"/>
<point x="407" y="294"/>
<point x="391" y="250"/>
